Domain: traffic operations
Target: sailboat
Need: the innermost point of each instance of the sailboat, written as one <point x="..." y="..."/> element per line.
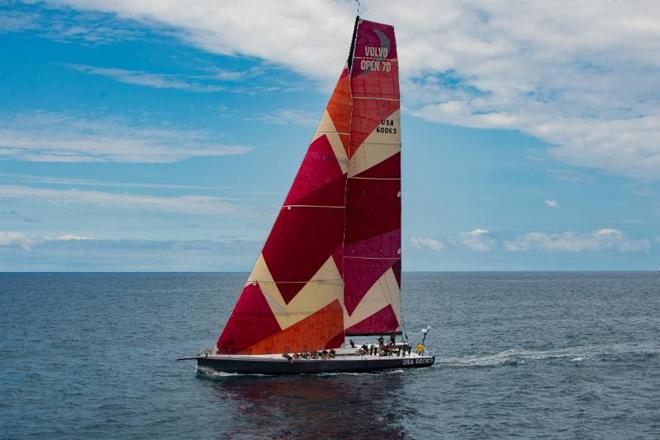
<point x="330" y="269"/>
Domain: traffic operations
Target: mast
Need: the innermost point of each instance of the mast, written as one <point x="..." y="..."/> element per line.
<point x="349" y="63"/>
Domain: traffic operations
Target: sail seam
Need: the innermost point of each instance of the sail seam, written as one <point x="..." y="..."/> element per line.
<point x="377" y="99"/>
<point x="372" y="258"/>
<point x="293" y="282"/>
<point x="374" y="178"/>
<point x="368" y="58"/>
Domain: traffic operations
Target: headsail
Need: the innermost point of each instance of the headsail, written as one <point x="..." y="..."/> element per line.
<point x="292" y="299"/>
<point x="372" y="243"/>
<point x="332" y="262"/>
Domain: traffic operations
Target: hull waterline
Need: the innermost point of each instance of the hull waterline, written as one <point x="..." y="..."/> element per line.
<point x="216" y="365"/>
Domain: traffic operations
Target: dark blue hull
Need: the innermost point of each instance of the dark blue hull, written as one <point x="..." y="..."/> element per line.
<point x="213" y="365"/>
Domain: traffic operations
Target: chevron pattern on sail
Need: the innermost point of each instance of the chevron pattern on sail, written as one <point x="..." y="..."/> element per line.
<point x="332" y="262"/>
<point x="372" y="241"/>
<point x="292" y="299"/>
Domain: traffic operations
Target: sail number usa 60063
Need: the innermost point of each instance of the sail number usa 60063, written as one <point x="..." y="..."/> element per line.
<point x="386" y="126"/>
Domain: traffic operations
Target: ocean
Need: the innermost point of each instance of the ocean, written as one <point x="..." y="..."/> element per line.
<point x="518" y="355"/>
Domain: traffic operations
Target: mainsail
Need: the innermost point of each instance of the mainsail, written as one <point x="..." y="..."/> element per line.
<point x="332" y="262"/>
<point x="372" y="254"/>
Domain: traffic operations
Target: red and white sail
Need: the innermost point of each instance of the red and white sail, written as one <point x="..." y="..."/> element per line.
<point x="332" y="262"/>
<point x="372" y="254"/>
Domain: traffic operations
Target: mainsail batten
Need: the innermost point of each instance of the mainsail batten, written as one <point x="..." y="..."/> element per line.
<point x="332" y="262"/>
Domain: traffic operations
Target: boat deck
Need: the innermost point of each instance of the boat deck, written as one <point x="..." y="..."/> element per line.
<point x="345" y="360"/>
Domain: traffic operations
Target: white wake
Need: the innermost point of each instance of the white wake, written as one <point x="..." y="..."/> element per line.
<point x="517" y="356"/>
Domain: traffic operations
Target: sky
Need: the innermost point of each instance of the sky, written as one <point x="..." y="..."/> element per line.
<point x="141" y="135"/>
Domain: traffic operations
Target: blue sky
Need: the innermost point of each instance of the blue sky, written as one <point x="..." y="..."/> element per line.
<point x="136" y="136"/>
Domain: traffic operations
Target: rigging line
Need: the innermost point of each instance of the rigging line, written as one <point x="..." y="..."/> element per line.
<point x="379" y="143"/>
<point x="313" y="206"/>
<point x="358" y="6"/>
<point x="282" y="309"/>
<point x="332" y="132"/>
<point x="332" y="280"/>
<point x="348" y="155"/>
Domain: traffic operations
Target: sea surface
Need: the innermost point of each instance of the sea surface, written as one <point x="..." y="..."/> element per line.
<point x="519" y="355"/>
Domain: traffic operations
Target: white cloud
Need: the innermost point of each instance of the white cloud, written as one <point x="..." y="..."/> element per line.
<point x="235" y="75"/>
<point x="58" y="137"/>
<point x="69" y="237"/>
<point x="128" y="255"/>
<point x="189" y="204"/>
<point x="148" y="79"/>
<point x="600" y="240"/>
<point x="478" y="240"/>
<point x="422" y="243"/>
<point x="303" y="36"/>
<point x="20" y="240"/>
<point x="60" y="24"/>
<point x="551" y="203"/>
<point x="569" y="175"/>
<point x="208" y="81"/>
<point x="17" y="21"/>
<point x="287" y="116"/>
<point x="587" y="82"/>
<point x="27" y="178"/>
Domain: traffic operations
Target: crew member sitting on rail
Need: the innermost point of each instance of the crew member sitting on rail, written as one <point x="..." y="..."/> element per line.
<point x="381" y="346"/>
